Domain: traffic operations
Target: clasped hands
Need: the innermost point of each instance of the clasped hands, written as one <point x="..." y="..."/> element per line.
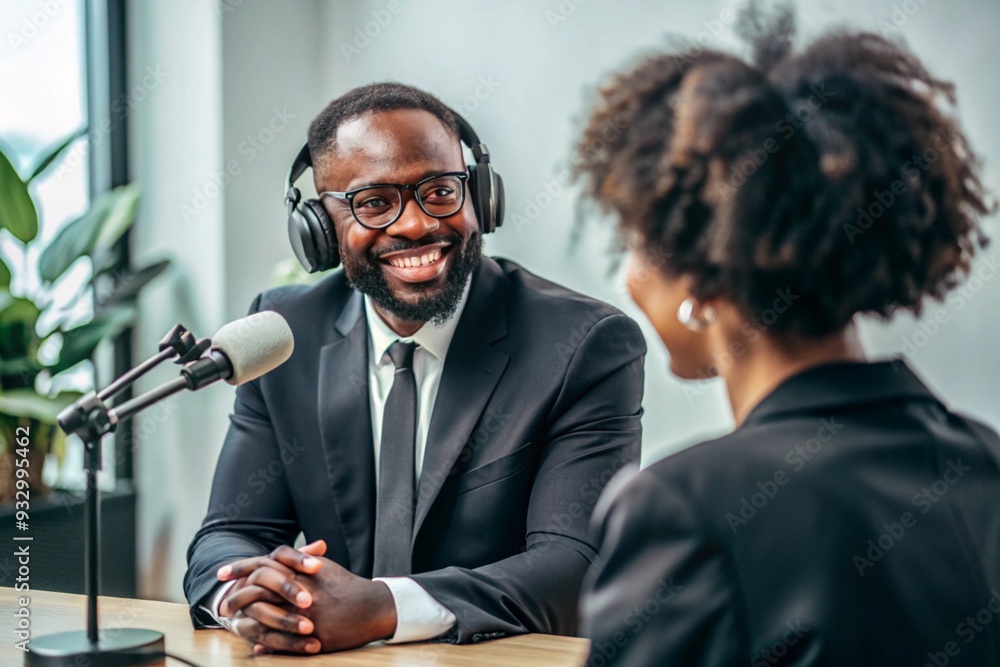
<point x="297" y="601"/>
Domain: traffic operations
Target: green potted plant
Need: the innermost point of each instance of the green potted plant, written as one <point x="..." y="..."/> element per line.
<point x="48" y="326"/>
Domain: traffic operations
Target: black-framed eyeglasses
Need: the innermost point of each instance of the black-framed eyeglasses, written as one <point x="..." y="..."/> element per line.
<point x="378" y="206"/>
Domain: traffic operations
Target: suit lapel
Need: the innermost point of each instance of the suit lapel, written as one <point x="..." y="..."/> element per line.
<point x="471" y="372"/>
<point x="346" y="429"/>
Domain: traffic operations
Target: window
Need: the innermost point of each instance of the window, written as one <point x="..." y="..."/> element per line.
<point x="60" y="62"/>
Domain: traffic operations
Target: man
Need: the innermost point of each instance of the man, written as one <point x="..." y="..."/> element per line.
<point x="445" y="424"/>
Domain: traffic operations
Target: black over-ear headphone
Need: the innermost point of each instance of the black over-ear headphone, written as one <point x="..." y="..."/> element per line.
<point x="311" y="233"/>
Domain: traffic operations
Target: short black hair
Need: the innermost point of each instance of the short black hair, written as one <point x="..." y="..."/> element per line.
<point x="374" y="97"/>
<point x="833" y="172"/>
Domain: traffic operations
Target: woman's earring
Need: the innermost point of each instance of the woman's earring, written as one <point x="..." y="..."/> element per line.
<point x="686" y="316"/>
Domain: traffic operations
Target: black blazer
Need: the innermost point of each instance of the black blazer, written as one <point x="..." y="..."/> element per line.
<point x="538" y="406"/>
<point x="850" y="520"/>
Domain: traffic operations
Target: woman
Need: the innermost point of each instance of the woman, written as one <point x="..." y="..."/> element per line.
<point x="851" y="518"/>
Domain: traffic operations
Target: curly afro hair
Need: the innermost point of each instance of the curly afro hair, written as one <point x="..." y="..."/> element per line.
<point x="833" y="173"/>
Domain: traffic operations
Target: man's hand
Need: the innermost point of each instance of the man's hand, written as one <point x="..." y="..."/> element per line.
<point x="282" y="598"/>
<point x="346" y="610"/>
<point x="266" y="597"/>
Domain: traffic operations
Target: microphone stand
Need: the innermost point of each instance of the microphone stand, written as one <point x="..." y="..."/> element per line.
<point x="90" y="419"/>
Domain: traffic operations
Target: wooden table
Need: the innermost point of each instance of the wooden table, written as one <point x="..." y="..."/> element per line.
<point x="58" y="612"/>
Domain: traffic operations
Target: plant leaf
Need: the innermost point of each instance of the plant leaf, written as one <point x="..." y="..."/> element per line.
<point x="17" y="210"/>
<point x="108" y="218"/>
<point x="126" y="286"/>
<point x="17" y="326"/>
<point x="121" y="215"/>
<point x="26" y="403"/>
<point x="19" y="372"/>
<point x="4" y="274"/>
<point x="44" y="163"/>
<point x="79" y="343"/>
<point x="17" y="310"/>
<point x="71" y="243"/>
<point x="57" y="446"/>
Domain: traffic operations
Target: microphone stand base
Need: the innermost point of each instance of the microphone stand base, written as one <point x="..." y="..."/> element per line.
<point x="120" y="647"/>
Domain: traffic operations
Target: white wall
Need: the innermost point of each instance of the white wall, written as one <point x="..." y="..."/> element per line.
<point x="232" y="62"/>
<point x="543" y="59"/>
<point x="272" y="87"/>
<point x="209" y="148"/>
<point x="175" y="135"/>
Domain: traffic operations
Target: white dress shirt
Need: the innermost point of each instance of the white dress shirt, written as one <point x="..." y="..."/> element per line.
<point x="418" y="615"/>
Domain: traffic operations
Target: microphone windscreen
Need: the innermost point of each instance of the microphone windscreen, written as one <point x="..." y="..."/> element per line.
<point x="254" y="345"/>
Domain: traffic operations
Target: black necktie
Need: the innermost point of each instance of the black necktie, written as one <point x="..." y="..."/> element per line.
<point x="394" y="514"/>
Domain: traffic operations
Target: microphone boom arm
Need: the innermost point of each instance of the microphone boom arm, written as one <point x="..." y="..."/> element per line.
<point x="179" y="342"/>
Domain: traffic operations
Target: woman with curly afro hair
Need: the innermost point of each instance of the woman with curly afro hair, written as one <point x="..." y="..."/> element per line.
<point x="851" y="518"/>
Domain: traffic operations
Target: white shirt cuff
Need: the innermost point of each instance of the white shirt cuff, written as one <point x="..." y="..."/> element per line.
<point x="213" y="609"/>
<point x="418" y="615"/>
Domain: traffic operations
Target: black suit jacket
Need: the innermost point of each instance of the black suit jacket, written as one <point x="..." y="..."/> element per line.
<point x="538" y="406"/>
<point x="850" y="520"/>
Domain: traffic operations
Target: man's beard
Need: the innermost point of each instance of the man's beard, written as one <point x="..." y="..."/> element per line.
<point x="439" y="304"/>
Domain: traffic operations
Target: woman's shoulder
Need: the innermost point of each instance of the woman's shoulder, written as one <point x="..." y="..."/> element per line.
<point x="675" y="480"/>
<point x="700" y="484"/>
<point x="715" y="459"/>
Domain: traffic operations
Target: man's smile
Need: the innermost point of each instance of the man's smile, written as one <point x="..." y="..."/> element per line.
<point x="417" y="265"/>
